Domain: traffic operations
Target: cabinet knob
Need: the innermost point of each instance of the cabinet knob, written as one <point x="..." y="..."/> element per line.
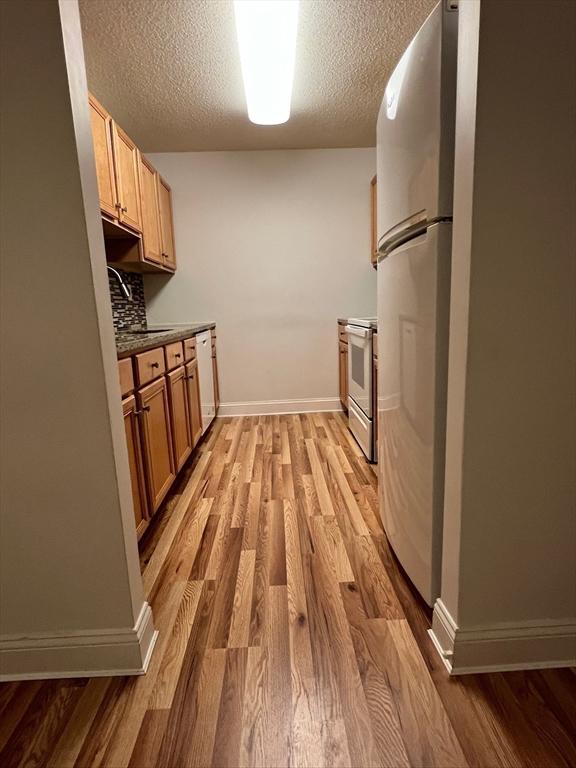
<point x="124" y="210"/>
<point x="142" y="410"/>
<point x="177" y="354"/>
<point x="154" y="365"/>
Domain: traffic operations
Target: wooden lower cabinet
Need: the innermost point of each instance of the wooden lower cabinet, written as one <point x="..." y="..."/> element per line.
<point x="343" y="373"/>
<point x="195" y="413"/>
<point x="135" y="461"/>
<point x="180" y="416"/>
<point x="157" y="440"/>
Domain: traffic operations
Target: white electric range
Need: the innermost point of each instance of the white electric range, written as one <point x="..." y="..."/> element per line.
<point x="361" y="384"/>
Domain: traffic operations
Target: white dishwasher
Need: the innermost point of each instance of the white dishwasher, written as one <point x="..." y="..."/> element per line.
<point x="204" y="357"/>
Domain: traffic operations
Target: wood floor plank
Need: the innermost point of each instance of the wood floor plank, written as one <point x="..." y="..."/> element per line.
<point x="162" y="548"/>
<point x="184" y="709"/>
<point x="342" y="565"/>
<point x="149" y="740"/>
<point x="354" y="706"/>
<point x="252" y="748"/>
<point x="242" y="604"/>
<point x="277" y="545"/>
<point x="305" y="705"/>
<point x="261" y="576"/>
<point x="253" y="516"/>
<point x="320" y="486"/>
<point x="381" y="704"/>
<point x="169" y="672"/>
<point x="198" y="752"/>
<point x="68" y="746"/>
<point x="16" y="706"/>
<point x="33" y="740"/>
<point x="427" y="732"/>
<point x="320" y="744"/>
<point x="224" y="591"/>
<point x="228" y="734"/>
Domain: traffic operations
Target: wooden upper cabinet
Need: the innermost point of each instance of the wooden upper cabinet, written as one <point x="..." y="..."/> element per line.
<point x="373" y="222"/>
<point x="102" y="139"/>
<point x="132" y="194"/>
<point x="166" y="227"/>
<point x="152" y="243"/>
<point x="134" y="445"/>
<point x="127" y="162"/>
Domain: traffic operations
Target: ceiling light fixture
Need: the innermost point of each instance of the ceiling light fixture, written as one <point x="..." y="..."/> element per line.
<point x="266" y="31"/>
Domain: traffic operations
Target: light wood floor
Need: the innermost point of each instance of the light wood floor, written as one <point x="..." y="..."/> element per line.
<point x="288" y="635"/>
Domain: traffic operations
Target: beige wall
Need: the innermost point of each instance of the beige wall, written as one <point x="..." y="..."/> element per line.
<point x="510" y="520"/>
<point x="69" y="560"/>
<point x="273" y="246"/>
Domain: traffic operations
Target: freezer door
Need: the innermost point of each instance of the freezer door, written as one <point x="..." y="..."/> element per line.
<point x="413" y="309"/>
<point x="415" y="133"/>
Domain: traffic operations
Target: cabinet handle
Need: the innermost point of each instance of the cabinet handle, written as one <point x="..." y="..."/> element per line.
<point x="154" y="365"/>
<point x="142" y="410"/>
<point x="117" y="205"/>
<point x="124" y="210"/>
<point x="190" y="378"/>
<point x="177" y="354"/>
<point x="164" y="254"/>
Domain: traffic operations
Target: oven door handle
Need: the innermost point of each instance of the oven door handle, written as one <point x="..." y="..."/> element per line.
<point x="354" y="330"/>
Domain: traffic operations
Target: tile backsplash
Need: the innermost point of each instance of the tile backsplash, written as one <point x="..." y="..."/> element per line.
<point x="125" y="313"/>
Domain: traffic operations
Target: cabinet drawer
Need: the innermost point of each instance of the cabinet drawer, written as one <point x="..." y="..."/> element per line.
<point x="126" y="376"/>
<point x="190" y="349"/>
<point x="150" y="365"/>
<point x="342" y="335"/>
<point x="174" y="355"/>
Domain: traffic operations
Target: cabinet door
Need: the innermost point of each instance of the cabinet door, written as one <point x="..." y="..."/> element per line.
<point x="126" y="165"/>
<point x="152" y="245"/>
<point x="102" y="140"/>
<point x="134" y="445"/>
<point x="194" y="401"/>
<point x="157" y="440"/>
<point x="166" y="224"/>
<point x="180" y="416"/>
<point x="343" y="371"/>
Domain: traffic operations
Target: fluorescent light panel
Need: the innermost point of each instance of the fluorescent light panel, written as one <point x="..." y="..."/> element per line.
<point x="266" y="31"/>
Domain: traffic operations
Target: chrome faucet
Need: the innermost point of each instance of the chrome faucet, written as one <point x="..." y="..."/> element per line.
<point x="126" y="289"/>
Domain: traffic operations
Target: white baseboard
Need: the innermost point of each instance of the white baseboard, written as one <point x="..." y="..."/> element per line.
<point x="502" y="647"/>
<point x="100" y="653"/>
<point x="273" y="407"/>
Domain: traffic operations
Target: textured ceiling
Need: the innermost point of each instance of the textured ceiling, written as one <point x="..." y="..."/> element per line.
<point x="169" y="71"/>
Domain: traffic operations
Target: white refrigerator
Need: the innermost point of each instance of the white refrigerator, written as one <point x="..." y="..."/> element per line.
<point x="415" y="165"/>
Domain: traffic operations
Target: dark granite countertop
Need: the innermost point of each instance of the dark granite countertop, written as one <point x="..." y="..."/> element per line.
<point x="131" y="342"/>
